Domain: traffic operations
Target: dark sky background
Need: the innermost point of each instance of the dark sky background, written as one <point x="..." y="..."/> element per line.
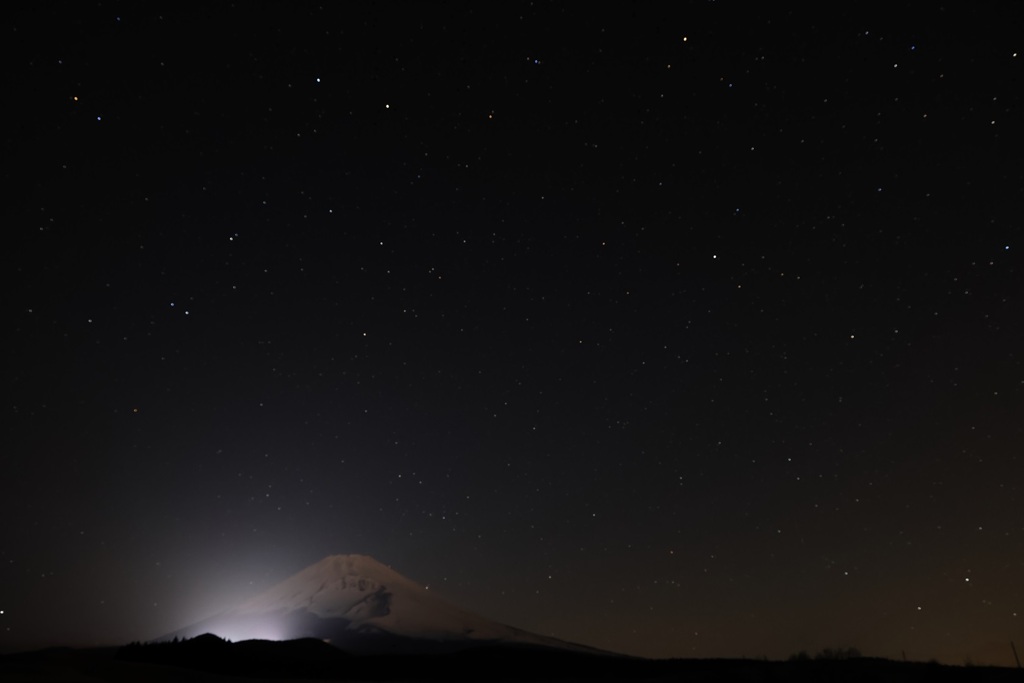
<point x="686" y="330"/>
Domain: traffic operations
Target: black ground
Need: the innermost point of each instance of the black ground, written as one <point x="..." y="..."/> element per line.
<point x="208" y="658"/>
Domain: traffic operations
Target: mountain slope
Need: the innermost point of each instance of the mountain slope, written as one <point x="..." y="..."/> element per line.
<point x="361" y="605"/>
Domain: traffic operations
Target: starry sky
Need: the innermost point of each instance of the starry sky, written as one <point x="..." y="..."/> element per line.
<point x="681" y="330"/>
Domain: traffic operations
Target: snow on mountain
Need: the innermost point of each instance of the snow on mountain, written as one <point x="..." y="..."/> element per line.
<point x="354" y="599"/>
<point x="365" y="592"/>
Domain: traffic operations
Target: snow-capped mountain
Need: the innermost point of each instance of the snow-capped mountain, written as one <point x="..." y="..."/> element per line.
<point x="357" y="603"/>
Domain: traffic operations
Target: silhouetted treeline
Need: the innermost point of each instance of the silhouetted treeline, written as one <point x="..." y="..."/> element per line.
<point x="311" y="658"/>
<point x="308" y="658"/>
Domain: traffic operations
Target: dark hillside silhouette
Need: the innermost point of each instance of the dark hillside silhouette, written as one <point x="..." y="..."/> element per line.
<point x="309" y="658"/>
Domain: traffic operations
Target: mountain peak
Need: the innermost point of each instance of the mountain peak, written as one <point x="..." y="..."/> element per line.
<point x="350" y="560"/>
<point x="353" y="565"/>
<point x="350" y="599"/>
<point x="354" y="587"/>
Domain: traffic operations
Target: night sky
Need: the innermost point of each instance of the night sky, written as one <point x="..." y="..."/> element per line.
<point x="686" y="330"/>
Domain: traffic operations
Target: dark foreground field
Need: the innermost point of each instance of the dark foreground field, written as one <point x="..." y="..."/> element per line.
<point x="210" y="659"/>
